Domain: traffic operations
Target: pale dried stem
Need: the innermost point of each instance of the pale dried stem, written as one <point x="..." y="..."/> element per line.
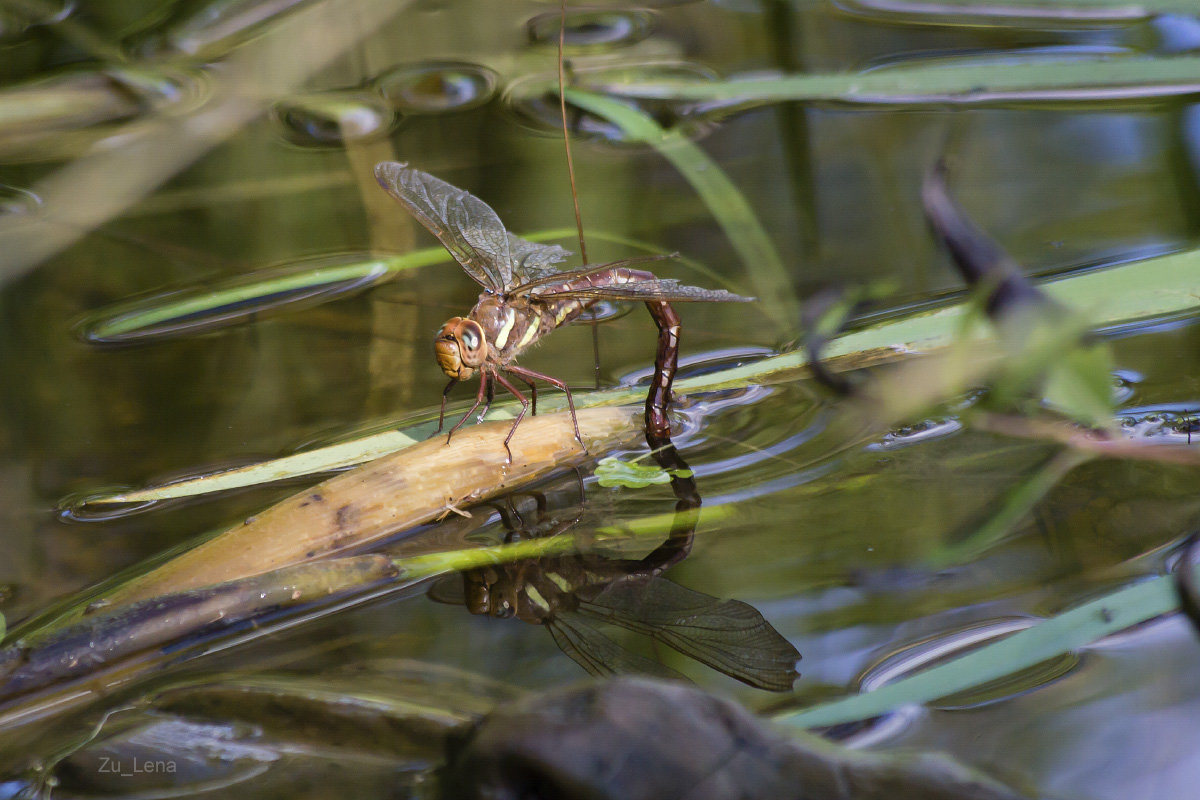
<point x="391" y="494"/>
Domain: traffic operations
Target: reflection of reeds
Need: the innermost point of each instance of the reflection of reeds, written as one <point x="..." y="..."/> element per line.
<point x="82" y="195"/>
<point x="769" y="277"/>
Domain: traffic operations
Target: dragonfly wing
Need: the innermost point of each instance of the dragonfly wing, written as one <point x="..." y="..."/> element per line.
<point x="464" y="224"/>
<point x="532" y="261"/>
<point x="448" y="590"/>
<point x="668" y="289"/>
<point x="538" y="285"/>
<point x="727" y="635"/>
<point x="590" y="648"/>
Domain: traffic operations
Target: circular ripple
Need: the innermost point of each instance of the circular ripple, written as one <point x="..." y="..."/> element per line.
<point x="436" y="87"/>
<point x="84" y="508"/>
<point x="533" y="101"/>
<point x="922" y="655"/>
<point x="1174" y="423"/>
<point x="16" y="20"/>
<point x="331" y="119"/>
<point x="17" y="202"/>
<point x="591" y="29"/>
<point x="917" y="432"/>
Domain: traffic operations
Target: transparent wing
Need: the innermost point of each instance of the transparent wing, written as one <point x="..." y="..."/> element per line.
<point x="590" y="648"/>
<point x="464" y="224"/>
<point x="727" y="635"/>
<point x="532" y="261"/>
<point x="667" y="289"/>
<point x="448" y="590"/>
<point x="536" y="285"/>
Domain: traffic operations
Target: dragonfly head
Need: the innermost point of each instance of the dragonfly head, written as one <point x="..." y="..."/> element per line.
<point x="460" y="348"/>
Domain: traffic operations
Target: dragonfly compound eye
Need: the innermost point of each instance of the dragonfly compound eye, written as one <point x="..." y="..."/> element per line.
<point x="451" y="352"/>
<point x="473" y="345"/>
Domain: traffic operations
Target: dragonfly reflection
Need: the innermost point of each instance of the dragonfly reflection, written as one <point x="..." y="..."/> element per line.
<point x="577" y="597"/>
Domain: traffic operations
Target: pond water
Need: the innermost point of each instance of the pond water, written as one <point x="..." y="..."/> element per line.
<point x="859" y="553"/>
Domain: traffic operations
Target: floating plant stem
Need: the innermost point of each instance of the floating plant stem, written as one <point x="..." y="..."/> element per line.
<point x="391" y="494"/>
<point x="768" y="275"/>
<point x="223" y="304"/>
<point x="114" y="642"/>
<point x="974" y="80"/>
<point x="289" y="287"/>
<point x="1067" y="10"/>
<point x="430" y="565"/>
<point x="107" y="637"/>
<point x="1068" y="631"/>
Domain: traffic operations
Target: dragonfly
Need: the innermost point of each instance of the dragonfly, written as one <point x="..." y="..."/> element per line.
<point x="579" y="598"/>
<point x="526" y="296"/>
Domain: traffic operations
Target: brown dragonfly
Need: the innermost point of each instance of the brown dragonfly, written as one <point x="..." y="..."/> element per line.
<point x="525" y="297"/>
<point x="579" y="598"/>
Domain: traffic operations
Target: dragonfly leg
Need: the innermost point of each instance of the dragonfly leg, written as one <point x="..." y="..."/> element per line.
<point x="487" y="403"/>
<point x="529" y="376"/>
<point x="445" y="393"/>
<point x="483" y="383"/>
<point x="532" y="391"/>
<point x="666" y="359"/>
<point x="524" y="407"/>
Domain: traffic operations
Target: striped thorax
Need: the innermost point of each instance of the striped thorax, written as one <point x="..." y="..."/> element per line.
<point x="499" y="328"/>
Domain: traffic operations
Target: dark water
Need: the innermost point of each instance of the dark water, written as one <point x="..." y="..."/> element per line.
<point x="842" y="551"/>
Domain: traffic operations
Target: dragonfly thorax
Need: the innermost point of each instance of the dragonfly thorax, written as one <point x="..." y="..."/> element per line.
<point x="460" y="348"/>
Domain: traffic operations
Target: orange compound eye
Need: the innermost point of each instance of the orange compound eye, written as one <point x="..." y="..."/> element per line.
<point x="472" y="344"/>
<point x="460" y="348"/>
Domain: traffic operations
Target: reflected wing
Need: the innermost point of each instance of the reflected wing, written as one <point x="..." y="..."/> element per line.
<point x="464" y="224"/>
<point x="667" y="289"/>
<point x="727" y="635"/>
<point x="448" y="590"/>
<point x="591" y="649"/>
<point x="532" y="261"/>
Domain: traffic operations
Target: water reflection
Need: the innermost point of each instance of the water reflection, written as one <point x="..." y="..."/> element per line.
<point x="14" y="200"/>
<point x="219" y="26"/>
<point x="1167" y="423"/>
<point x="576" y="596"/>
<point x="63" y="114"/>
<point x="331" y="119"/>
<point x="269" y="734"/>
<point x="436" y="87"/>
<point x="17" y="18"/>
<point x="534" y="100"/>
<point x="591" y="29"/>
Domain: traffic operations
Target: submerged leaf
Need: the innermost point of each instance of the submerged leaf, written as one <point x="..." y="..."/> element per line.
<point x="612" y="471"/>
